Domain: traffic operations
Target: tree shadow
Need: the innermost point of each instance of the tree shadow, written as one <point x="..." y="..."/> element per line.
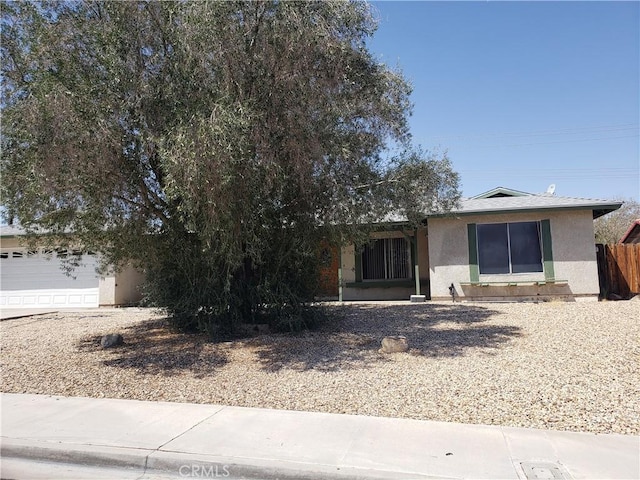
<point x="348" y="338"/>
<point x="153" y="347"/>
<point x="351" y="336"/>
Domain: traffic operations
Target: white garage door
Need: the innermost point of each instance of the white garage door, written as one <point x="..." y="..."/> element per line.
<point x="35" y="280"/>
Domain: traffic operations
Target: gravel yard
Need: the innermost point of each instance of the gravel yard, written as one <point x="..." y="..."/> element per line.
<point x="562" y="366"/>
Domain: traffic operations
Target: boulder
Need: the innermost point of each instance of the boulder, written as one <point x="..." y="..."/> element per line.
<point x="255" y="329"/>
<point x="394" y="344"/>
<point x="111" y="340"/>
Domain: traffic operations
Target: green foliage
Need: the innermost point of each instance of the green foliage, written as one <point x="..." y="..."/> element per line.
<point x="212" y="144"/>
<point x="611" y="227"/>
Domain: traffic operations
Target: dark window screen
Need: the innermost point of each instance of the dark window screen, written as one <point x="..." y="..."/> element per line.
<point x="526" y="255"/>
<point x="493" y="248"/>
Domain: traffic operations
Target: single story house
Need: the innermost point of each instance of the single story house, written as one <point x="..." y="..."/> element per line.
<point x="500" y="245"/>
<point x="35" y="279"/>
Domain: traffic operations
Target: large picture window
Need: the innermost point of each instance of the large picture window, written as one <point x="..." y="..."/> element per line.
<point x="386" y="259"/>
<point x="509" y="247"/>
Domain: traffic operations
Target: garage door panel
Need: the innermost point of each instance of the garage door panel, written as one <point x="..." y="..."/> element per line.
<point x="37" y="280"/>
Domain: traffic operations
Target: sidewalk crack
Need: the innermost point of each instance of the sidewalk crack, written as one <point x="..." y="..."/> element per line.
<point x="157" y="449"/>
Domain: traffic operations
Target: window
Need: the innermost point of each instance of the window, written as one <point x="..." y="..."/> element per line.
<point x="386" y="259"/>
<point x="509" y="248"/>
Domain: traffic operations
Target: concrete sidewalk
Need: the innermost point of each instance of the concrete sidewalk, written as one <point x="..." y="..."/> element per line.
<point x="133" y="439"/>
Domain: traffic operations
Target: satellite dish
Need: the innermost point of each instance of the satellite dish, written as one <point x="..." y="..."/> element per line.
<point x="551" y="189"/>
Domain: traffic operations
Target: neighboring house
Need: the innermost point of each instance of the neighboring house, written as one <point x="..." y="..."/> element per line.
<point x="632" y="235"/>
<point x="35" y="279"/>
<point x="500" y="245"/>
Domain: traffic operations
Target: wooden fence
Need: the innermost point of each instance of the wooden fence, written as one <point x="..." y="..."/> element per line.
<point x="619" y="269"/>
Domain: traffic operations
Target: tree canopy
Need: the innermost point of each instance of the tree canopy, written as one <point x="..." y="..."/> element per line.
<point x="610" y="228"/>
<point x="212" y="144"/>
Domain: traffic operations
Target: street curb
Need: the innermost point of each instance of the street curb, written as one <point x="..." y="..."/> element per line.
<point x="74" y="454"/>
<point x="187" y="465"/>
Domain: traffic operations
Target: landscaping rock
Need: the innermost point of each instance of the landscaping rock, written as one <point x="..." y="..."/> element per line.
<point x="394" y="344"/>
<point x="111" y="340"/>
<point x="254" y="329"/>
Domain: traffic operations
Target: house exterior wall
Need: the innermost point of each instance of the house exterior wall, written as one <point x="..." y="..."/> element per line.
<point x="364" y="291"/>
<point x="121" y="288"/>
<point x="128" y="283"/>
<point x="10" y="242"/>
<point x="573" y="249"/>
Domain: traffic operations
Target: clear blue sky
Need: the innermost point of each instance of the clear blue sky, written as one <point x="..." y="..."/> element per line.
<point x="523" y="94"/>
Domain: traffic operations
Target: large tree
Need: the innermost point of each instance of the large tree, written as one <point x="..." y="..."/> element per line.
<point x="211" y="143"/>
<point x="610" y="228"/>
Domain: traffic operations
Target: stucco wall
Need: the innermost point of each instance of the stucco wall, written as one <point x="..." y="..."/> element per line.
<point x="386" y="293"/>
<point x="10" y="242"/>
<point x="574" y="257"/>
<point x="121" y="288"/>
<point x="128" y="284"/>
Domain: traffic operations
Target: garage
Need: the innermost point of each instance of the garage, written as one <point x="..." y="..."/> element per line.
<point x="36" y="279"/>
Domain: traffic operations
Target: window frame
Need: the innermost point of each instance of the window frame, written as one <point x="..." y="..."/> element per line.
<point x="360" y="260"/>
<point x="510" y="252"/>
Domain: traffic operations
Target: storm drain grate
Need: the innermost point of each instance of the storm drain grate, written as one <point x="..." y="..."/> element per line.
<point x="544" y="471"/>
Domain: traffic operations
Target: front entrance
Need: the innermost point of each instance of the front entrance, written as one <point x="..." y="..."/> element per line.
<point x="329" y="264"/>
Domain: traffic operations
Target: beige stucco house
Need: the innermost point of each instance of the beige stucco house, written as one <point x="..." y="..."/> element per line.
<point x="500" y="245"/>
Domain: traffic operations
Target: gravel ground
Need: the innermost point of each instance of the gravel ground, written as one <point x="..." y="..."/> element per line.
<point x="561" y="366"/>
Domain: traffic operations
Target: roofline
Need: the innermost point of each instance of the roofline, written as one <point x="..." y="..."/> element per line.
<point x="598" y="210"/>
<point x="24" y="233"/>
<point x="494" y="191"/>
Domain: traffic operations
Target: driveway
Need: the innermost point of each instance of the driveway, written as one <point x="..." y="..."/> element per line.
<point x="7" y="313"/>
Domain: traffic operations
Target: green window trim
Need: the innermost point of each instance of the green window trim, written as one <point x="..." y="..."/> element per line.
<point x="474" y="270"/>
<point x="547" y="250"/>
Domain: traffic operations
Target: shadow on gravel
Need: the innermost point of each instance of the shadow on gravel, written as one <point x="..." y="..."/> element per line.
<point x="348" y="339"/>
<point x="351" y="337"/>
<point x="154" y="348"/>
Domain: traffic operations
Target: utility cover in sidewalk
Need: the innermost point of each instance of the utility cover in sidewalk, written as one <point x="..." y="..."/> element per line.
<point x="543" y="471"/>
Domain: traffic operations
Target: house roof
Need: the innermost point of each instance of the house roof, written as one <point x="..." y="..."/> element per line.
<point x="496" y="200"/>
<point x="11" y="231"/>
<point x="632" y="235"/>
<point x="501" y="192"/>
<point x="504" y="200"/>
